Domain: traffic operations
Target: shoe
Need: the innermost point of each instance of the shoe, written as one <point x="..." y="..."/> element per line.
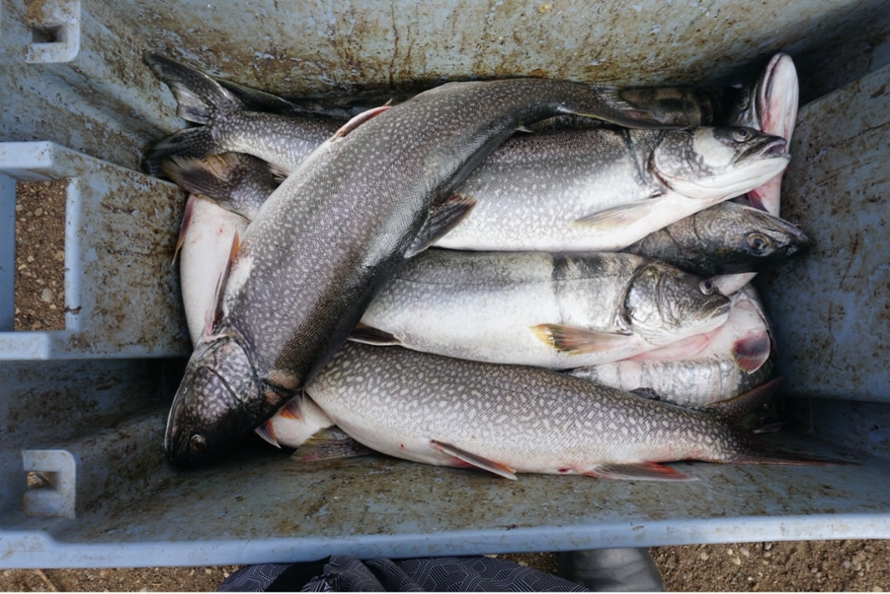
<point x="612" y="570"/>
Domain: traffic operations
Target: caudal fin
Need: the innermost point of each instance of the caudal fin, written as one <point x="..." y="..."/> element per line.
<point x="201" y="99"/>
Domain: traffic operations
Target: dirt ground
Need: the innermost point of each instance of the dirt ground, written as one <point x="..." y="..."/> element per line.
<point x="852" y="565"/>
<point x="824" y="566"/>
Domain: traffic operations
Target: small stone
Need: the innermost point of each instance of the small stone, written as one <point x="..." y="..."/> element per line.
<point x="767" y="554"/>
<point x="36" y="325"/>
<point x="861" y="574"/>
<point x="208" y="571"/>
<point x="767" y="546"/>
<point x="703" y="556"/>
<point x="813" y="570"/>
<point x="19" y="208"/>
<point x="737" y="560"/>
<point x="47" y="183"/>
<point x="730" y="552"/>
<point x="59" y="256"/>
<point x="46" y="296"/>
<point x="847" y="564"/>
<point x="30" y="259"/>
<point x="876" y="589"/>
<point x="750" y="579"/>
<point x="53" y="306"/>
<point x="226" y="574"/>
<point x="745" y="552"/>
<point x="38" y="212"/>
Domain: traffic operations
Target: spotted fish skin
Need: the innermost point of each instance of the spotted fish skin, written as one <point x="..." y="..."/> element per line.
<point x="534" y="308"/>
<point x="520" y="419"/>
<point x="333" y="233"/>
<point x="656" y="177"/>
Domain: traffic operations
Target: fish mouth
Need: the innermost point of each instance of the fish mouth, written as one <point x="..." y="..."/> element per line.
<point x="768" y="148"/>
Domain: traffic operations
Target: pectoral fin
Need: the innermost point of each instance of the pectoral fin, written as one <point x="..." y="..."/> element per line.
<point x="442" y="219"/>
<point x="329" y="444"/>
<point x="267" y="432"/>
<point x="368" y="335"/>
<point x="619" y="217"/>
<point x="575" y="341"/>
<point x="184" y="227"/>
<point x="643" y="471"/>
<point x="474" y="460"/>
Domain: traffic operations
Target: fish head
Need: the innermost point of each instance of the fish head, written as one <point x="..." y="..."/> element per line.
<point x="770" y="103"/>
<point x="216" y="401"/>
<point x="717" y="162"/>
<point x="664" y="302"/>
<point x="737" y="239"/>
<point x="767" y="240"/>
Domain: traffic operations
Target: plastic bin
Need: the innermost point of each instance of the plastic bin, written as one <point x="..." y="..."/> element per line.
<point x="87" y="405"/>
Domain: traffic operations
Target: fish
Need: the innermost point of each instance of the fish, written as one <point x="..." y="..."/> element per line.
<point x="511" y="419"/>
<point x="516" y="187"/>
<point x="729" y="361"/>
<point x="227" y="124"/>
<point x="534" y="308"/>
<point x="726" y="238"/>
<point x="613" y="186"/>
<point x="205" y="241"/>
<point x="604" y="189"/>
<point x="770" y="105"/>
<point x="334" y="232"/>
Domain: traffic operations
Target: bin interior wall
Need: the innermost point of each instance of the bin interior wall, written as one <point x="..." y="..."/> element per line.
<point x="106" y="103"/>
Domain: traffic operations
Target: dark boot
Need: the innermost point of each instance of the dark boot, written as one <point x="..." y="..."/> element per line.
<point x="612" y="570"/>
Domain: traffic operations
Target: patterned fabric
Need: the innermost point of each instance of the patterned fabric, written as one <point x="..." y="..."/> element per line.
<point x="440" y="574"/>
<point x="253" y="578"/>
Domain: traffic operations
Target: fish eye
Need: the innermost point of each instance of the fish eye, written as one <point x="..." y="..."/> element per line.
<point x="758" y="242"/>
<point x="197" y="443"/>
<point x="741" y="135"/>
<point x="707" y="287"/>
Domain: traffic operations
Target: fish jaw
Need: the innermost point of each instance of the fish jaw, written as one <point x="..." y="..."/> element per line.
<point x="216" y="400"/>
<point x="719" y="162"/>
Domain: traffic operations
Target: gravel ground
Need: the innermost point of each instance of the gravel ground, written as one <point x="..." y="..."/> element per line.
<point x="852" y="565"/>
<point x="823" y="566"/>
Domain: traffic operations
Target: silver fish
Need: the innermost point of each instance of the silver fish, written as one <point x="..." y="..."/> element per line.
<point x="695" y="373"/>
<point x="770" y="105"/>
<point x="510" y="419"/>
<point x="332" y="234"/>
<point x="604" y="189"/>
<point x="726" y="238"/>
<point x="536" y="308"/>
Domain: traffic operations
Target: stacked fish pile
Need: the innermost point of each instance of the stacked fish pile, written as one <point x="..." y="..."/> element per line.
<point x="604" y="249"/>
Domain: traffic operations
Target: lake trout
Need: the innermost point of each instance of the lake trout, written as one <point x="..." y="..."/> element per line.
<point x="536" y="308"/>
<point x="335" y="231"/>
<point x="509" y="419"/>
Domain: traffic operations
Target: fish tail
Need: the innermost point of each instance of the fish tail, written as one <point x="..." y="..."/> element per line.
<point x="200" y="98"/>
<point x="190" y="142"/>
<point x="219" y="177"/>
<point x="763" y="454"/>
